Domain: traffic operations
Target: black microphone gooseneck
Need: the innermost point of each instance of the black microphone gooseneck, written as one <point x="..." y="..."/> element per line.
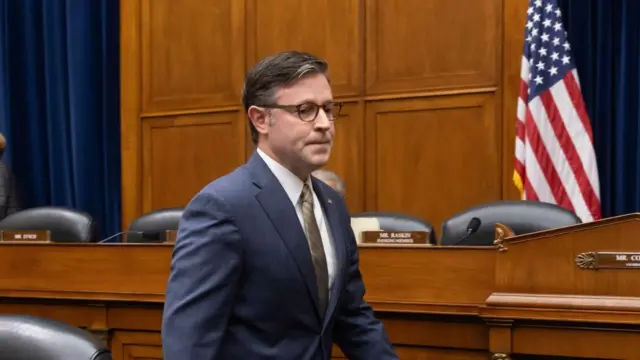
<point x="472" y="228"/>
<point x="118" y="234"/>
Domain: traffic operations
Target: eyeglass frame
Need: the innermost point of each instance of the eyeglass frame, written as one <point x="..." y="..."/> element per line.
<point x="295" y="109"/>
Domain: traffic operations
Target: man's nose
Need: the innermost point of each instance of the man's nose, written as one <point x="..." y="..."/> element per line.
<point x="322" y="121"/>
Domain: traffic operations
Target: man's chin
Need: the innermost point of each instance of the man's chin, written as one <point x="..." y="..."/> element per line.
<point x="318" y="159"/>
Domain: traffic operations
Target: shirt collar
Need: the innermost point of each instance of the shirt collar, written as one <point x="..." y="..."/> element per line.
<point x="290" y="182"/>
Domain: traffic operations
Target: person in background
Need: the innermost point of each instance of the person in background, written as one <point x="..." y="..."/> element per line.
<point x="9" y="199"/>
<point x="266" y="264"/>
<point x="332" y="179"/>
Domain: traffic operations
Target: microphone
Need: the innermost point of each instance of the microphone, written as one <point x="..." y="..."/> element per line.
<point x="472" y="228"/>
<point x="139" y="233"/>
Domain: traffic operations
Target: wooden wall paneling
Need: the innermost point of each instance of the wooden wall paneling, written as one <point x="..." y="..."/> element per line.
<point x="417" y="45"/>
<point x="514" y="18"/>
<point x="130" y="89"/>
<point x="413" y="353"/>
<point x="434" y="156"/>
<point x="132" y="345"/>
<point x="183" y="153"/>
<point x="607" y="344"/>
<point x="441" y="152"/>
<point x="179" y="64"/>
<point x="326" y="28"/>
<point x="347" y="155"/>
<point x="183" y="68"/>
<point x="192" y="54"/>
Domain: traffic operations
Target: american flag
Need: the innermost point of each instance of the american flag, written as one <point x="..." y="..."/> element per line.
<point x="555" y="160"/>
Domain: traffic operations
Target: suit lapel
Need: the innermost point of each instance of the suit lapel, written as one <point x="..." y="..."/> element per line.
<point x="331" y="213"/>
<point x="283" y="216"/>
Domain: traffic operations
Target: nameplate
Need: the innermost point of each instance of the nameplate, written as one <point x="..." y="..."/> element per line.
<point x="608" y="260"/>
<point x="26" y="235"/>
<point x="395" y="237"/>
<point x="172" y="235"/>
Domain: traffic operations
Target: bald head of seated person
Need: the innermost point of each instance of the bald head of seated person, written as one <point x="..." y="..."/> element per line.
<point x="332" y="179"/>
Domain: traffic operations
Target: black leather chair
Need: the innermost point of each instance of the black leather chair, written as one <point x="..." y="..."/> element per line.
<point x="65" y="224"/>
<point x="391" y="221"/>
<point x="521" y="216"/>
<point x="25" y="337"/>
<point x="152" y="226"/>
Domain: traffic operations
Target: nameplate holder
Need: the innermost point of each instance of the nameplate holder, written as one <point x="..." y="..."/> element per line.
<point x="608" y="260"/>
<point x="395" y="237"/>
<point x="172" y="235"/>
<point x="26" y="235"/>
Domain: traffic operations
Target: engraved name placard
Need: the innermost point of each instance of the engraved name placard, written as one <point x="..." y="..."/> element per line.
<point x="608" y="260"/>
<point x="26" y="235"/>
<point x="395" y="237"/>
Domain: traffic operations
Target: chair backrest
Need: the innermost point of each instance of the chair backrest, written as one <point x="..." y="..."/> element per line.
<point x="156" y="223"/>
<point x="65" y="224"/>
<point x="35" y="338"/>
<point x="522" y="216"/>
<point x="392" y="221"/>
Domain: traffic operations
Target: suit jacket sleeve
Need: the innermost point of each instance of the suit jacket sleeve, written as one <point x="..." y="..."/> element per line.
<point x="357" y="332"/>
<point x="204" y="275"/>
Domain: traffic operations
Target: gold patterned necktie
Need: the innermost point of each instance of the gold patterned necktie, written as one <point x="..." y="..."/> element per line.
<point x="315" y="246"/>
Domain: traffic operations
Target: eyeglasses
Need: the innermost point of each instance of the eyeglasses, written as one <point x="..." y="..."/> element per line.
<point x="309" y="111"/>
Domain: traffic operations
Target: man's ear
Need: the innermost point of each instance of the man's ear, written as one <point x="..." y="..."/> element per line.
<point x="259" y="117"/>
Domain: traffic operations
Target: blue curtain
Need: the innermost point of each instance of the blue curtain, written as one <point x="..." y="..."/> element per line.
<point x="59" y="103"/>
<point x="605" y="40"/>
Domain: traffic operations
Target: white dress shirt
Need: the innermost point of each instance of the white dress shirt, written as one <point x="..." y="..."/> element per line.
<point x="293" y="187"/>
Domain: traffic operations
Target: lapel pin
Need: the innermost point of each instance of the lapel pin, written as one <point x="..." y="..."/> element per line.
<point x="330" y="202"/>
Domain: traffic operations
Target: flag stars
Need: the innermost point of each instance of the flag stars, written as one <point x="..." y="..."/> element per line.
<point x="547" y="49"/>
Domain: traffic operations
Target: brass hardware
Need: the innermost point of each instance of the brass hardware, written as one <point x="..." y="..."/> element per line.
<point x="586" y="260"/>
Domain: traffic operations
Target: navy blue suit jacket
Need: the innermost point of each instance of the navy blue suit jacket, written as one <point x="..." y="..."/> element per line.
<point x="242" y="283"/>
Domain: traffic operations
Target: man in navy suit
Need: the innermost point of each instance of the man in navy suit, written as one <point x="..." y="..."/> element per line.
<point x="266" y="264"/>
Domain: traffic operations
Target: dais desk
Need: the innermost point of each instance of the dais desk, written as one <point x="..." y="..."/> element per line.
<point x="573" y="291"/>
